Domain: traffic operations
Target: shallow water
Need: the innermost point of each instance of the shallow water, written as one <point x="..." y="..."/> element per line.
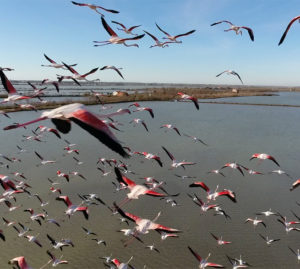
<point x="233" y="133"/>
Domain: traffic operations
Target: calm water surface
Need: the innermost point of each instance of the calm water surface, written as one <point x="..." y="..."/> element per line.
<point x="233" y="133"/>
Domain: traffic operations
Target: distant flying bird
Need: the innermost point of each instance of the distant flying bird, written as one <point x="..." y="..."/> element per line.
<point x="54" y="83"/>
<point x="126" y="30"/>
<point x="73" y="208"/>
<point x="264" y="156"/>
<point x="231" y="72"/>
<point x="174" y="38"/>
<point x="115" y="39"/>
<point x="158" y="43"/>
<point x="77" y="113"/>
<point x="268" y="240"/>
<point x="287" y="29"/>
<point x="188" y="97"/>
<point x="175" y="163"/>
<point x="113" y="68"/>
<point x="203" y="262"/>
<point x="55" y="64"/>
<point x="76" y="76"/>
<point x="237" y="29"/>
<point x="94" y="7"/>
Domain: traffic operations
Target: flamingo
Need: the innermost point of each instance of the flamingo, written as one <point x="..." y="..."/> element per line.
<point x="137" y="121"/>
<point x="94" y="7"/>
<point x="139" y="108"/>
<point x="32" y="238"/>
<point x="13" y="96"/>
<point x="115" y="39"/>
<point x="231" y="72"/>
<point x="267" y="213"/>
<point x="204" y="206"/>
<point x="233" y="166"/>
<point x="188" y="97"/>
<point x="135" y="189"/>
<point x="175" y="163"/>
<point x="2" y="235"/>
<point x="7" y="69"/>
<point x="43" y="129"/>
<point x="41" y="201"/>
<point x="152" y="247"/>
<point x="43" y="161"/>
<point x="264" y="156"/>
<point x="267" y="240"/>
<point x="126" y="30"/>
<point x="122" y="265"/>
<point x="164" y="235"/>
<point x="8" y="223"/>
<point x="54" y="260"/>
<point x="37" y="91"/>
<point x="238" y="263"/>
<point x="150" y="156"/>
<point x="99" y="242"/>
<point x="113" y="68"/>
<point x="203" y="262"/>
<point x="295" y="184"/>
<point x="24" y="230"/>
<point x="60" y="174"/>
<point x="195" y="139"/>
<point x="34" y="216"/>
<point x="77" y="113"/>
<point x="220" y="241"/>
<point x="216" y="171"/>
<point x="55" y="64"/>
<point x="158" y="43"/>
<point x="170" y="126"/>
<point x="174" y="38"/>
<point x="287" y="29"/>
<point x="73" y="208"/>
<point x="256" y="222"/>
<point x="296" y="254"/>
<point x="88" y="232"/>
<point x="280" y="172"/>
<point x="237" y="29"/>
<point x="20" y="262"/>
<point x="144" y="225"/>
<point x="76" y="76"/>
<point x="213" y="195"/>
<point x="54" y="83"/>
<point x="60" y="244"/>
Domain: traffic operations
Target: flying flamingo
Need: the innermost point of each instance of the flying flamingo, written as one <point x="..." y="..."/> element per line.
<point x="34" y="216"/>
<point x="287" y="29"/>
<point x="280" y="172"/>
<point x="2" y="235"/>
<point x="220" y="241"/>
<point x="233" y="166"/>
<point x="13" y="96"/>
<point x="256" y="222"/>
<point x="203" y="262"/>
<point x="43" y="129"/>
<point x="268" y="240"/>
<point x="54" y="83"/>
<point x="43" y="161"/>
<point x="137" y="121"/>
<point x="135" y="189"/>
<point x="204" y="206"/>
<point x="76" y="76"/>
<point x="175" y="163"/>
<point x="73" y="208"/>
<point x="55" y="64"/>
<point x="32" y="238"/>
<point x="170" y="126"/>
<point x="113" y="68"/>
<point x="237" y="29"/>
<point x="158" y="43"/>
<point x="115" y="39"/>
<point x="122" y="265"/>
<point x="231" y="72"/>
<point x="295" y="184"/>
<point x="213" y="195"/>
<point x="188" y="97"/>
<point x="264" y="156"/>
<point x="60" y="244"/>
<point x="296" y="254"/>
<point x="77" y="113"/>
<point x="7" y="69"/>
<point x="94" y="7"/>
<point x="54" y="260"/>
<point x="144" y="225"/>
<point x="126" y="30"/>
<point x="20" y="262"/>
<point x="174" y="38"/>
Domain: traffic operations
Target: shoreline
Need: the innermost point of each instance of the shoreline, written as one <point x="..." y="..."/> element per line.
<point x="151" y="94"/>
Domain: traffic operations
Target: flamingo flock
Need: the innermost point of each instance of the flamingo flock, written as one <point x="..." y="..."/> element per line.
<point x="95" y="128"/>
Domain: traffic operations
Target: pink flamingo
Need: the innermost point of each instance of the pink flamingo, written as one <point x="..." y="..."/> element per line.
<point x="20" y="262"/>
<point x="126" y="30"/>
<point x="203" y="262"/>
<point x="264" y="156"/>
<point x="188" y="97"/>
<point x="77" y="113"/>
<point x="158" y="43"/>
<point x="55" y="64"/>
<point x="73" y="208"/>
<point x="287" y="29"/>
<point x="115" y="39"/>
<point x="174" y="38"/>
<point x="94" y="7"/>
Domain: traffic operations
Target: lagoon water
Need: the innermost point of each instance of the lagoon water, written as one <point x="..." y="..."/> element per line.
<point x="233" y="134"/>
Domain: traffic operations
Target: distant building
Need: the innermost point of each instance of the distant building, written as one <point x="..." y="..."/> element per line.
<point x="119" y="93"/>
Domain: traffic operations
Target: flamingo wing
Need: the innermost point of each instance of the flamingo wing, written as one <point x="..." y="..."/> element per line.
<point x="221" y="73"/>
<point x="65" y="199"/>
<point x="155" y="39"/>
<point x="91" y="72"/>
<point x="169" y="154"/>
<point x="166" y="229"/>
<point x="200" y="184"/>
<point x="71" y="69"/>
<point x="287" y="29"/>
<point x="188" y="33"/>
<point x="122" y="179"/>
<point x="50" y="60"/>
<point x="122" y="25"/>
<point x="196" y="255"/>
<point x="7" y="84"/>
<point x="154" y="193"/>
<point x="215" y="23"/>
<point x="162" y="30"/>
<point x="108" y="28"/>
<point x="133" y="27"/>
<point x="250" y="32"/>
<point x="98" y="129"/>
<point x="215" y="265"/>
<point x="126" y="215"/>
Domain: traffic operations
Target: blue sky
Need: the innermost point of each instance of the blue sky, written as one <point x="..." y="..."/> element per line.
<point x="65" y="33"/>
